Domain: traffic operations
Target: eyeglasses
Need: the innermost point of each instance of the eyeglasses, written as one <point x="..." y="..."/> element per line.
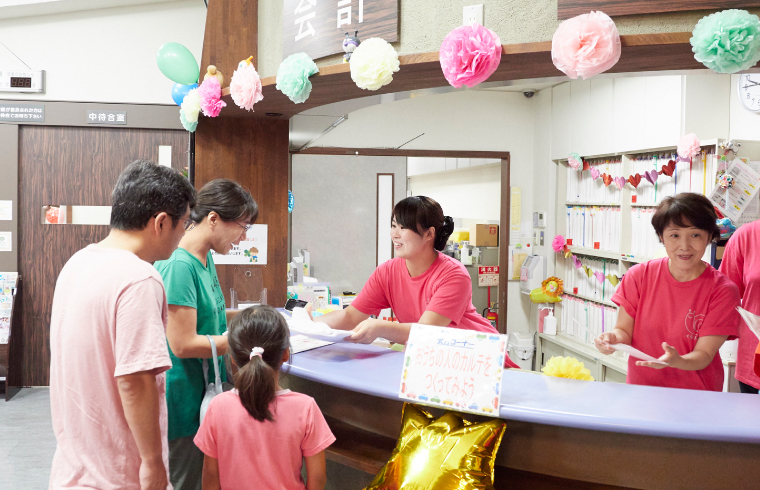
<point x="188" y="224"/>
<point x="245" y="227"/>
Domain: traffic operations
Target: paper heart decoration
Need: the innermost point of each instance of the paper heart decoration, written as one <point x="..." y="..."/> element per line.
<point x="595" y="173"/>
<point x="588" y="271"/>
<point x="586" y="166"/>
<point x="599" y="277"/>
<point x="577" y="262"/>
<point x="620" y="182"/>
<point x="568" y="253"/>
<point x="651" y="176"/>
<point x="635" y="180"/>
<point x="613" y="280"/>
<point x="607" y="179"/>
<point x="669" y="168"/>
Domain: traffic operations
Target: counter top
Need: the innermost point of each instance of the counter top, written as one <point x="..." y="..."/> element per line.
<point x="529" y="397"/>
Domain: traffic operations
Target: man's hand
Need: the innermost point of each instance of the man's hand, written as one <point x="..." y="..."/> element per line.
<point x="153" y="475"/>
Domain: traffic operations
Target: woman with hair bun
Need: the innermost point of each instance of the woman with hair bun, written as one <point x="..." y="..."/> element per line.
<point x="420" y="285"/>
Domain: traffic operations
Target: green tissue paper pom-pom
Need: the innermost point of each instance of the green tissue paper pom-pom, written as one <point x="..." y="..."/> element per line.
<point x="293" y="76"/>
<point x="727" y="41"/>
<point x="187" y="125"/>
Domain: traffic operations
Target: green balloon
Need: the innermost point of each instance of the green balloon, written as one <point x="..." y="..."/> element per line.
<point x="177" y="63"/>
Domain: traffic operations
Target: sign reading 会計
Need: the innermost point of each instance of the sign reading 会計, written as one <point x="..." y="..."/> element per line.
<point x="318" y="27"/>
<point x="454" y="369"/>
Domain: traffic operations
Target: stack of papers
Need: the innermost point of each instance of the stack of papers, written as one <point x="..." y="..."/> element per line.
<point x="301" y="324"/>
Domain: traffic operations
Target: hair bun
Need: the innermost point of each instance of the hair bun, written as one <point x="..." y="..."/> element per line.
<point x="442" y="235"/>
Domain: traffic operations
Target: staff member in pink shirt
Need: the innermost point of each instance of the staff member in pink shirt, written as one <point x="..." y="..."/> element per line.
<point x="741" y="263"/>
<point x="679" y="304"/>
<point x="420" y="285"/>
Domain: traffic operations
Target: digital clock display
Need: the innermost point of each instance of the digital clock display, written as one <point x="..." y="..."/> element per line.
<point x="21" y="82"/>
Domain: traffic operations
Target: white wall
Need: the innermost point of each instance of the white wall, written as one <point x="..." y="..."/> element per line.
<point x="471" y="193"/>
<point x="106" y="55"/>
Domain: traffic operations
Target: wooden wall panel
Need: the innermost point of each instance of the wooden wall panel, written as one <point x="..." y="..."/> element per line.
<point x="231" y="35"/>
<point x="73" y="166"/>
<point x="571" y="8"/>
<point x="253" y="152"/>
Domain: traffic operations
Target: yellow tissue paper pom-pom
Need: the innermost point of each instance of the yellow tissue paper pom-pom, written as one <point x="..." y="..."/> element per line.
<point x="567" y="367"/>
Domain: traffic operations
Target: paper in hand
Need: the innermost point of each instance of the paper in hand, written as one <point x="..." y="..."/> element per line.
<point x="752" y="320"/>
<point x="633" y="352"/>
<point x="301" y="324"/>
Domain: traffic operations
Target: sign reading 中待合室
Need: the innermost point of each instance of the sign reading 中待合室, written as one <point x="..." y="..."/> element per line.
<point x="106" y="117"/>
<point x="454" y="369"/>
<point x="22" y="113"/>
<point x="488" y="276"/>
<point x="251" y="250"/>
<point x="318" y="27"/>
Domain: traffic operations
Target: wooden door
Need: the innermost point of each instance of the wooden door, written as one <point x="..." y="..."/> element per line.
<point x="68" y="166"/>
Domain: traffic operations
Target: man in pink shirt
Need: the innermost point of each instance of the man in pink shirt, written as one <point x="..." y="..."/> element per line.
<point x="108" y="344"/>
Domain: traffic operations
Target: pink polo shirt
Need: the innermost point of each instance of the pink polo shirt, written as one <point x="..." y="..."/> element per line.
<point x="741" y="264"/>
<point x="679" y="313"/>
<point x="445" y="288"/>
<point x="263" y="455"/>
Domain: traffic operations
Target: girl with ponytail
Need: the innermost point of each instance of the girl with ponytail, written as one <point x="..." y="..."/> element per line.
<point x="420" y="285"/>
<point x="257" y="435"/>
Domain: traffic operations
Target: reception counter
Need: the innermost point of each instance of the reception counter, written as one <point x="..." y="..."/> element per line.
<point x="609" y="434"/>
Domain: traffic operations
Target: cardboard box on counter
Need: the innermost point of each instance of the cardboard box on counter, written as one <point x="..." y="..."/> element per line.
<point x="484" y="236"/>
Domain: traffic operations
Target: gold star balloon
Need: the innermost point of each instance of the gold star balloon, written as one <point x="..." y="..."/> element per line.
<point x="447" y="452"/>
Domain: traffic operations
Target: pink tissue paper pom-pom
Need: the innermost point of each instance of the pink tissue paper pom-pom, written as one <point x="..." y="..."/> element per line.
<point x="211" y="97"/>
<point x="469" y="55"/>
<point x="689" y="146"/>
<point x="558" y="243"/>
<point x="586" y="45"/>
<point x="245" y="87"/>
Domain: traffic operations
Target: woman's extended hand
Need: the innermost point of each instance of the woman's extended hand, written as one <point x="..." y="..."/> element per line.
<point x="671" y="358"/>
<point x="603" y="342"/>
<point x="365" y="332"/>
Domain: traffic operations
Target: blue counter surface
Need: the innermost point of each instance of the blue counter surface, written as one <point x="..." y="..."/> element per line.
<point x="529" y="397"/>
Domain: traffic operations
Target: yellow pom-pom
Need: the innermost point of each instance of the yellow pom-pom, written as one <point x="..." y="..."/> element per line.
<point x="567" y="367"/>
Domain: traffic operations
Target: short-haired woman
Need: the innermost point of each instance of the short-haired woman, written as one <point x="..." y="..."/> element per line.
<point x="420" y="285"/>
<point x="223" y="212"/>
<point x="679" y="308"/>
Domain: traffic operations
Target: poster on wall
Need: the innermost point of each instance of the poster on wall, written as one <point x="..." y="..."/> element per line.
<point x="318" y="28"/>
<point x="734" y="201"/>
<point x="251" y="250"/>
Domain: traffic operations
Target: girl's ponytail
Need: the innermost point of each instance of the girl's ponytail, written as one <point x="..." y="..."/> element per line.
<point x="258" y="339"/>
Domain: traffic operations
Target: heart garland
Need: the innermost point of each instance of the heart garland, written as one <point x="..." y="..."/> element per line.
<point x="635" y="180"/>
<point x="614" y="280"/>
<point x="651" y="175"/>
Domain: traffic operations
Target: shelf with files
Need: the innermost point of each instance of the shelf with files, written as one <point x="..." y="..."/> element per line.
<point x="604" y="254"/>
<point x="593" y="300"/>
<point x="600" y="204"/>
<point x="646" y="205"/>
<point x="614" y="362"/>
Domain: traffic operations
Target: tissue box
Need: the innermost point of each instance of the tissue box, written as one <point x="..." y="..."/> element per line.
<point x="484" y="236"/>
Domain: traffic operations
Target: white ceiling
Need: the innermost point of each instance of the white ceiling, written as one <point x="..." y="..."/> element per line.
<point x="11" y="9"/>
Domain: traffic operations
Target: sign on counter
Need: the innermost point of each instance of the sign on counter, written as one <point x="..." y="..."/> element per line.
<point x="453" y="369"/>
<point x="252" y="250"/>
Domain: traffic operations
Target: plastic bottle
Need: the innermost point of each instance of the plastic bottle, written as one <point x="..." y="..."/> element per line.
<point x="550" y="324"/>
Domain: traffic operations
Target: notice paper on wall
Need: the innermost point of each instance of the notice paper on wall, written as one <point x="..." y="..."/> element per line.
<point x="252" y="250"/>
<point x="6" y="210"/>
<point x="6" y="241"/>
<point x="453" y="369"/>
<point x="734" y="201"/>
<point x="515" y="212"/>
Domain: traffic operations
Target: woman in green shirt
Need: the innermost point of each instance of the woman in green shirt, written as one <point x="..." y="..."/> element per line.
<point x="222" y="214"/>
